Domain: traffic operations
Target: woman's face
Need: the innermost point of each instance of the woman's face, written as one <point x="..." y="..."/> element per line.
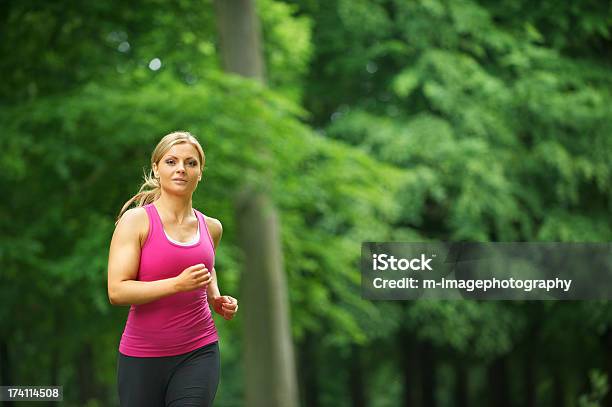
<point x="179" y="169"/>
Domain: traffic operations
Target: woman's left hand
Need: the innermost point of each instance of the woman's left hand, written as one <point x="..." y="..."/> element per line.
<point x="225" y="306"/>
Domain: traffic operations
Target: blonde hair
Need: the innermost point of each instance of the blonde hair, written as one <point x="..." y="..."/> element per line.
<point x="150" y="190"/>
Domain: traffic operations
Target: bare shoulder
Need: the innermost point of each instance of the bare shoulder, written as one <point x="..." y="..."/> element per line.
<point x="125" y="248"/>
<point x="135" y="223"/>
<point x="215" y="228"/>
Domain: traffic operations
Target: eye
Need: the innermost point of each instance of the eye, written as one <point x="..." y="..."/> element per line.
<point x="169" y="162"/>
<point x="193" y="163"/>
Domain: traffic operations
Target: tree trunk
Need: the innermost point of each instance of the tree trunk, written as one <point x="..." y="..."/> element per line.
<point x="86" y="377"/>
<point x="529" y="378"/>
<point x="308" y="369"/>
<point x="356" y="383"/>
<point x="268" y="343"/>
<point x="5" y="364"/>
<point x="269" y="362"/>
<point x="558" y="389"/>
<point x="240" y="38"/>
<point x="461" y="384"/>
<point x="409" y="365"/>
<point x="6" y="378"/>
<point x="607" y="346"/>
<point x="428" y="371"/>
<point x="498" y="383"/>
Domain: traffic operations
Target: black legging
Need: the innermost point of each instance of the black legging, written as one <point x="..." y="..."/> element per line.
<point x="190" y="379"/>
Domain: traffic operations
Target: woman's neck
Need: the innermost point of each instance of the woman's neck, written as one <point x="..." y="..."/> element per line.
<point x="176" y="208"/>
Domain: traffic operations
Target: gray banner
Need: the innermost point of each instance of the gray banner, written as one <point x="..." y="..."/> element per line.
<point x="486" y="271"/>
<point x="31" y="393"/>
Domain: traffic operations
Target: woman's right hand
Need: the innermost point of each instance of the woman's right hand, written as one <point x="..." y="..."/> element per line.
<point x="193" y="278"/>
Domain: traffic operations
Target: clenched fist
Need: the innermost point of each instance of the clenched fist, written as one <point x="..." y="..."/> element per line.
<point x="225" y="306"/>
<point x="193" y="278"/>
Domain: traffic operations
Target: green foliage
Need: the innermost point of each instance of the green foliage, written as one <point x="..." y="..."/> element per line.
<point x="530" y="138"/>
<point x="499" y="115"/>
<point x="51" y="48"/>
<point x="287" y="47"/>
<point x="599" y="388"/>
<point x="482" y="331"/>
<point x="471" y="120"/>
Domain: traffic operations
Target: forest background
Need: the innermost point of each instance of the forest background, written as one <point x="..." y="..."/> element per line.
<point x="376" y="120"/>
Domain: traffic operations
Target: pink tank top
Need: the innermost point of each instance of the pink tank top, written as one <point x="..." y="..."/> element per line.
<point x="178" y="323"/>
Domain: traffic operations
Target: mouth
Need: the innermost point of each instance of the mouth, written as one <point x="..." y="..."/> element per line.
<point x="180" y="180"/>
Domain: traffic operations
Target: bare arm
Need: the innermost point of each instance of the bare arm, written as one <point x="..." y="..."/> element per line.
<point x="123" y="262"/>
<point x="224" y="305"/>
<point x="213" y="288"/>
<point x="216" y="230"/>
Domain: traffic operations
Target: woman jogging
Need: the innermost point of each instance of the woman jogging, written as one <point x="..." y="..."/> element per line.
<point x="161" y="263"/>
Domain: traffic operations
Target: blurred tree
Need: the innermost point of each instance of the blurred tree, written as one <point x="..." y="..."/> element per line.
<point x="267" y="326"/>
<point x="240" y="38"/>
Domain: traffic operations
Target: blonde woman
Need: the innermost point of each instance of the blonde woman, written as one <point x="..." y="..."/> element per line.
<point x="161" y="263"/>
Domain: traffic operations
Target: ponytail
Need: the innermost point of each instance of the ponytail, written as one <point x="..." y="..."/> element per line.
<point x="149" y="191"/>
